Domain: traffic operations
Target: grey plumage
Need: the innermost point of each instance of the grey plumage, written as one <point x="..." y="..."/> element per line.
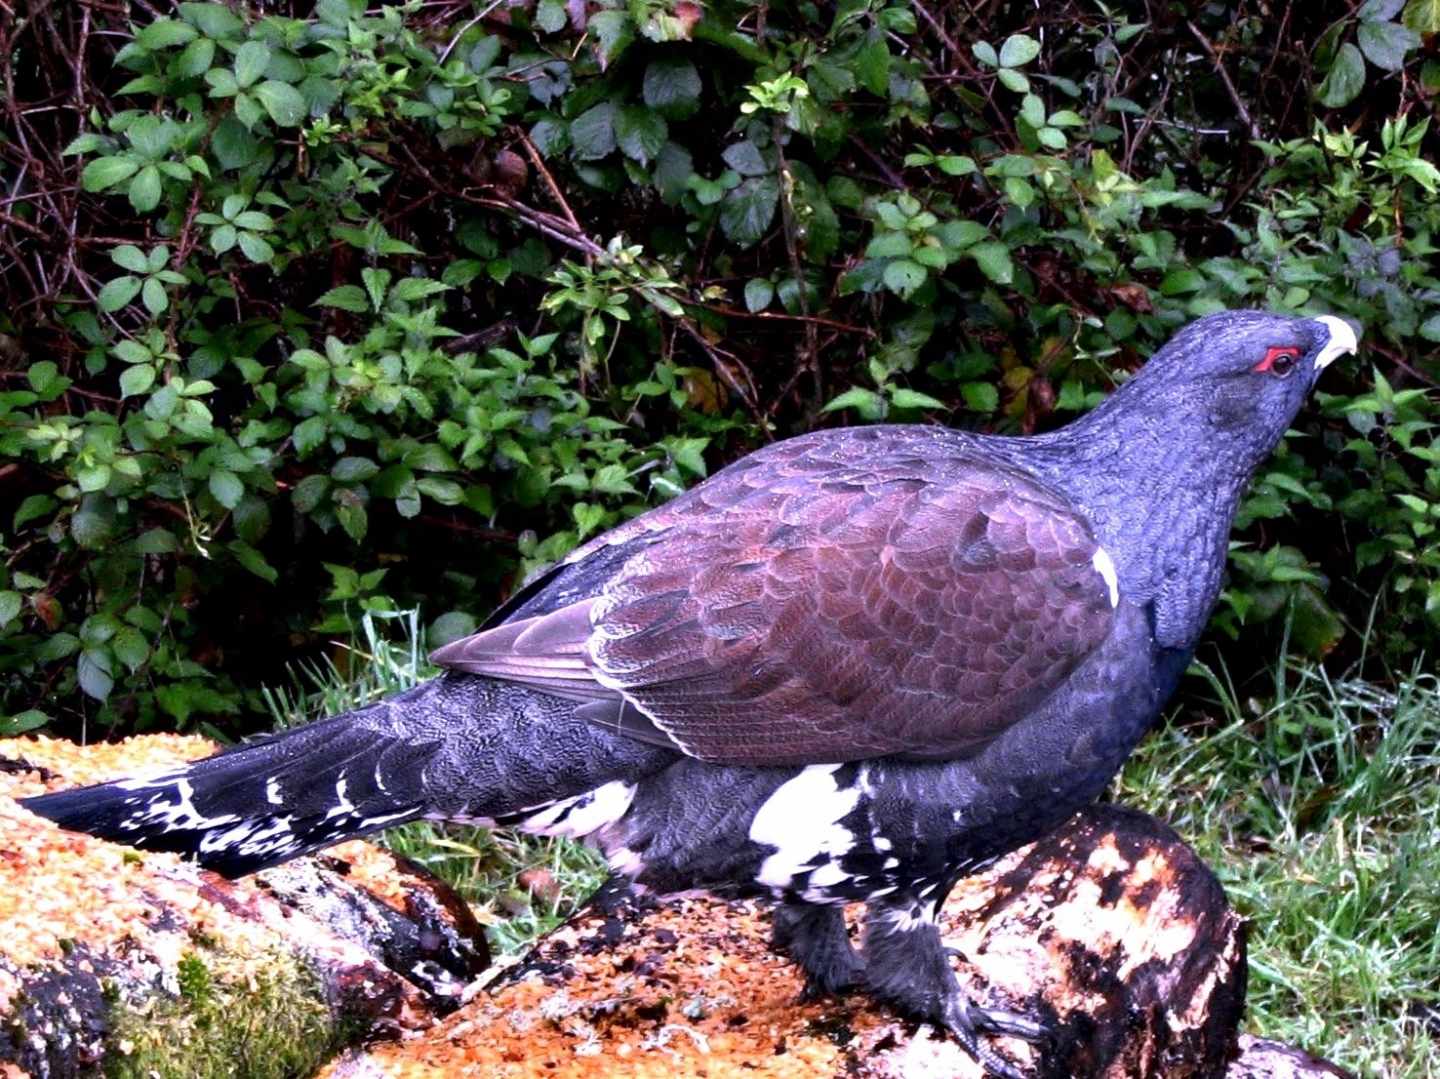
<point x="854" y="665"/>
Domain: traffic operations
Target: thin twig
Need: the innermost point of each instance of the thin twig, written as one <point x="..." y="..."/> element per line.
<point x="1250" y="124"/>
<point x="815" y="320"/>
<point x="445" y="53"/>
<point x="539" y="163"/>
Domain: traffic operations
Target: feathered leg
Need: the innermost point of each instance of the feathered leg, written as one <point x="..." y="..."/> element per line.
<point x="816" y="938"/>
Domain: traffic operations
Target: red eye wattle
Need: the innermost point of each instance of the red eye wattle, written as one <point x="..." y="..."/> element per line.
<point x="1278" y="360"/>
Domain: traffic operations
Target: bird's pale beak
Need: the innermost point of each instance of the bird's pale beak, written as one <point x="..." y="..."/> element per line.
<point x="1342" y="341"/>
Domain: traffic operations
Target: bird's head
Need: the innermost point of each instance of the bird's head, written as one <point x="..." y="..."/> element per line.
<point x="1239" y="377"/>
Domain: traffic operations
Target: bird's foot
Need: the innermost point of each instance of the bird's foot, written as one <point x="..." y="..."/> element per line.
<point x="968" y="1022"/>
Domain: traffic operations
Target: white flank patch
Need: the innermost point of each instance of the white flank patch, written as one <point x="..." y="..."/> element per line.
<point x="1106" y="568"/>
<point x="272" y="791"/>
<point x="801" y="820"/>
<point x="583" y="814"/>
<point x="1342" y="341"/>
<point x="827" y="876"/>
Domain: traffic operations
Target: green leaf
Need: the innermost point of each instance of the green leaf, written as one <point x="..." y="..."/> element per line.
<point x="588" y="517"/>
<point x="130" y="647"/>
<point x="255" y="247"/>
<point x="550" y="16"/>
<point x="106" y="172"/>
<point x="213" y="20"/>
<point x="195" y="59"/>
<point x="86" y="143"/>
<point x="227" y="488"/>
<point x="613" y="30"/>
<point x="377" y="283"/>
<point x="872" y="66"/>
<point x="1422" y="16"/>
<point x="980" y="396"/>
<point x="251" y="61"/>
<point x="253" y="560"/>
<point x="284" y="104"/>
<point x="985" y="53"/>
<point x="1018" y="50"/>
<point x="956" y="164"/>
<point x="165" y="34"/>
<point x="308" y="434"/>
<point x="994" y="261"/>
<point x="93" y="479"/>
<point x="353" y="520"/>
<point x="672" y="87"/>
<point x="612" y="480"/>
<point x="223" y="238"/>
<point x="1345" y="79"/>
<point x="890" y="245"/>
<point x="1386" y="43"/>
<point x="903" y="277"/>
<point x="746" y="159"/>
<point x="868" y="402"/>
<point x="234" y="146"/>
<point x="130" y="257"/>
<point x="746" y="212"/>
<point x="29" y="720"/>
<point x="32" y="507"/>
<point x="353" y="469"/>
<point x="446" y="492"/>
<point x="758" y="294"/>
<point x="450" y="626"/>
<point x="116" y="294"/>
<point x="145" y="189"/>
<point x="1013" y="80"/>
<point x="10" y="603"/>
<point x="902" y="398"/>
<point x="640" y="133"/>
<point x="345" y="297"/>
<point x="1179" y="282"/>
<point x="136" y="380"/>
<point x="93" y="672"/>
<point x="152" y="295"/>
<point x="411" y="289"/>
<point x="592" y="133"/>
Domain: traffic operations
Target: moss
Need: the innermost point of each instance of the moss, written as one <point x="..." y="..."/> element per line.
<point x="247" y="1016"/>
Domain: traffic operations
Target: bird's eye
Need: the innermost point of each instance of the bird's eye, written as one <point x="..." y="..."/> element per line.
<point x="1278" y="360"/>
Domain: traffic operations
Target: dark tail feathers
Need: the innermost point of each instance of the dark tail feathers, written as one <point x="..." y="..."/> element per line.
<point x="319" y="785"/>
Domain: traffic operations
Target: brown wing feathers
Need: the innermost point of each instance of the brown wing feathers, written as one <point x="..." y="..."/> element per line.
<point x="815" y="606"/>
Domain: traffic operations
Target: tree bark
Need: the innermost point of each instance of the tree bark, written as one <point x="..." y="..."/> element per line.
<point x="1111" y="930"/>
<point x="106" y="954"/>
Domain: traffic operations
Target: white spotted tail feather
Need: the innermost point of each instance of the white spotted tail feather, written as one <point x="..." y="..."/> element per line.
<point x="260" y="804"/>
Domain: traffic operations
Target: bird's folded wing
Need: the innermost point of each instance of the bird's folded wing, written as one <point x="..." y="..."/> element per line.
<point x="818" y="607"/>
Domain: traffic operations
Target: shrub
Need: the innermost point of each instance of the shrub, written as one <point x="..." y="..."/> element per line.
<point x="333" y="308"/>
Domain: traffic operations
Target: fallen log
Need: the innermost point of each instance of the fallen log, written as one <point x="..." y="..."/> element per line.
<point x="1111" y="930"/>
<point x="149" y="965"/>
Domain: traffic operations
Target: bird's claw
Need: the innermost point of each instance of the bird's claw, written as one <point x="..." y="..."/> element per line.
<point x="967" y="1022"/>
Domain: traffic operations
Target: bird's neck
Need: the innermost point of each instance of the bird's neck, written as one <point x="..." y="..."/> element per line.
<point x="1163" y="514"/>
